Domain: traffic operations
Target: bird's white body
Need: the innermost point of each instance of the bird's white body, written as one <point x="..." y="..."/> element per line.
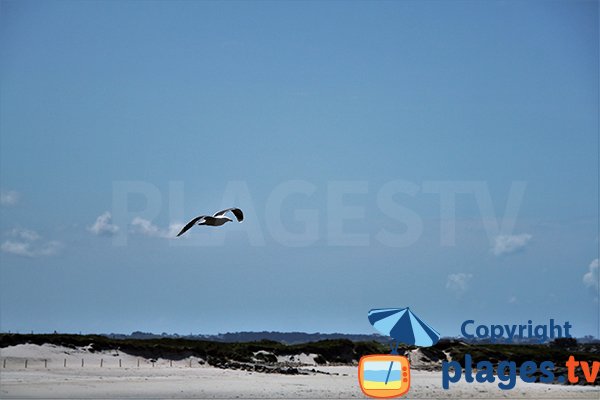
<point x="214" y="221"/>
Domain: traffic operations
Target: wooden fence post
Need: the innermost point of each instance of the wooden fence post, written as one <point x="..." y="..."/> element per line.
<point x="25" y="363"/>
<point x="4" y="363"/>
<point x="45" y="363"/>
<point x="101" y="362"/>
<point x="138" y="362"/>
<point x="119" y="363"/>
<point x="82" y="363"/>
<point x="65" y="363"/>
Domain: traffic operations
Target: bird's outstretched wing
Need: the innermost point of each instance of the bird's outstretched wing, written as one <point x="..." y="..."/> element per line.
<point x="236" y="211"/>
<point x="190" y="224"/>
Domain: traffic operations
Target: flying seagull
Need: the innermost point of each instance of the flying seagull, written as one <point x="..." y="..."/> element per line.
<point x="216" y="220"/>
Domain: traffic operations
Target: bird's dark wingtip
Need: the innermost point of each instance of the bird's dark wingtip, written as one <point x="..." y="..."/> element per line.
<point x="238" y="214"/>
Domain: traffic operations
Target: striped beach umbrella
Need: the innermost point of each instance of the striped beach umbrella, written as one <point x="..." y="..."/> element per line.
<point x="403" y="326"/>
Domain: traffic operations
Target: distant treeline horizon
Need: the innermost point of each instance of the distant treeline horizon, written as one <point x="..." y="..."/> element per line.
<point x="294" y="337"/>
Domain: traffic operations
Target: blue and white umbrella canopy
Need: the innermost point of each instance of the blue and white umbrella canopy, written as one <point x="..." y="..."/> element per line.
<point x="403" y="326"/>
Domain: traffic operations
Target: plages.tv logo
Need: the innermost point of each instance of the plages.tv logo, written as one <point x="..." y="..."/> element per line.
<point x="388" y="375"/>
<point x="506" y="372"/>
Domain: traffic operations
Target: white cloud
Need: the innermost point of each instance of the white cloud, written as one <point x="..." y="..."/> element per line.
<point x="17" y="248"/>
<point x="174" y="229"/>
<point x="28" y="243"/>
<point x="590" y="278"/>
<point x="147" y="228"/>
<point x="104" y="226"/>
<point x="24" y="234"/>
<point x="9" y="198"/>
<point x="458" y="283"/>
<point x="513" y="300"/>
<point x="506" y="244"/>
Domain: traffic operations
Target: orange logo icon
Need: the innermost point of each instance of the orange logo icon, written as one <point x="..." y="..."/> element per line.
<point x="384" y="375"/>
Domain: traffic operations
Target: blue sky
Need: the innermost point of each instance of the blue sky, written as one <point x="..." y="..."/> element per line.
<point x="302" y="114"/>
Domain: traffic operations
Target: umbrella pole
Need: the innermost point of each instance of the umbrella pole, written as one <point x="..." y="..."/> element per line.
<point x="394" y="351"/>
<point x="389" y="372"/>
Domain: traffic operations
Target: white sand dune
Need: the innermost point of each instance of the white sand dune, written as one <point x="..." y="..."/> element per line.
<point x="300" y="359"/>
<point x="200" y="381"/>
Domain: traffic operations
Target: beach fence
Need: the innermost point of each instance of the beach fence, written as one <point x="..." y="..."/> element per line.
<point x="95" y="362"/>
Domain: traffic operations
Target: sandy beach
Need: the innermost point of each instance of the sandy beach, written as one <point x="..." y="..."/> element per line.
<point x="47" y="377"/>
